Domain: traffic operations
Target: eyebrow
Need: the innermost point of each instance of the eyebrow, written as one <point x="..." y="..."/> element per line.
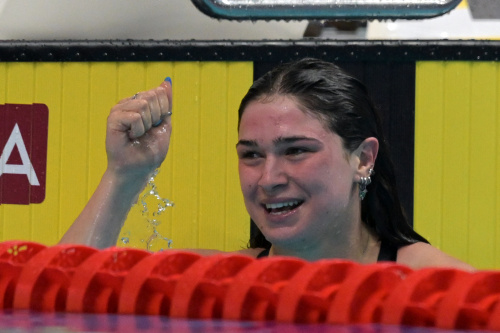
<point x="247" y="143"/>
<point x="277" y="141"/>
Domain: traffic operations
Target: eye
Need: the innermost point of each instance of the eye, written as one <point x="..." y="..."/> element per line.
<point x="249" y="155"/>
<point x="250" y="158"/>
<point x="293" y="151"/>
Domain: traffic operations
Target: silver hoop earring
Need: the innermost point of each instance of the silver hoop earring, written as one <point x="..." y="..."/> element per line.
<point x="364" y="182"/>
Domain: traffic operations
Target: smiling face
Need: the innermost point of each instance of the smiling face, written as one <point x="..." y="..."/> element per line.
<point x="298" y="181"/>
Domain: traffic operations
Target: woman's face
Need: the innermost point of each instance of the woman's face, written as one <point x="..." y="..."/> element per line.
<point x="297" y="179"/>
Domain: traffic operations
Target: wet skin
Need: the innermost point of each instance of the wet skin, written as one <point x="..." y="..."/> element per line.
<point x="298" y="182"/>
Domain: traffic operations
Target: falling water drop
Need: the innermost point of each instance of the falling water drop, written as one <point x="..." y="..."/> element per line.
<point x="151" y="206"/>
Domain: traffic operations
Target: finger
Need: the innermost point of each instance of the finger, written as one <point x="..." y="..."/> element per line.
<point x="127" y="122"/>
<point x="126" y="99"/>
<point x="137" y="128"/>
<point x="157" y="105"/>
<point x="165" y="98"/>
<point x="167" y="85"/>
<point x="145" y="111"/>
<point x="152" y="98"/>
<point x="124" y="104"/>
<point x="153" y="105"/>
<point x="139" y="106"/>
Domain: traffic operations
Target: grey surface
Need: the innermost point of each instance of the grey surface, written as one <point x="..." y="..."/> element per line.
<point x="485" y="9"/>
<point x="325" y="9"/>
<point x="129" y="19"/>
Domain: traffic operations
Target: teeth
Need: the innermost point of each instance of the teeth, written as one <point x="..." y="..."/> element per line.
<point x="281" y="204"/>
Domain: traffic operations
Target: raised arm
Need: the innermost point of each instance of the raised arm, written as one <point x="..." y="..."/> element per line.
<point x="137" y="139"/>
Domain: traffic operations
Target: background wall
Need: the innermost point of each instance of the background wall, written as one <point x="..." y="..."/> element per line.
<point x="129" y="19"/>
<point x="457" y="158"/>
<point x="199" y="175"/>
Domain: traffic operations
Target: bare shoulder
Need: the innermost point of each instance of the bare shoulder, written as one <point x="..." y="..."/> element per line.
<point x="421" y="255"/>
<point x="250" y="252"/>
<point x="207" y="252"/>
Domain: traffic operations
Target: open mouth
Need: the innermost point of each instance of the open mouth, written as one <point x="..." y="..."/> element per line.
<point x="282" y="207"/>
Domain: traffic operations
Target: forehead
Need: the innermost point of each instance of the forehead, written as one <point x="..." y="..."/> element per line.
<point x="280" y="114"/>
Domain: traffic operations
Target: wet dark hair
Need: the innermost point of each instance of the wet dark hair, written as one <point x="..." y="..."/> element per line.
<point x="342" y="103"/>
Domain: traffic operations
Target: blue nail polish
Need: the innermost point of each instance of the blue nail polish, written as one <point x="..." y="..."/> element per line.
<point x="168" y="79"/>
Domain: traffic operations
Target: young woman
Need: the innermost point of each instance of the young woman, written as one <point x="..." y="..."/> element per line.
<point x="314" y="169"/>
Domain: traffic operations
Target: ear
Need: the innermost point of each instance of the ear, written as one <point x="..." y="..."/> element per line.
<point x="365" y="154"/>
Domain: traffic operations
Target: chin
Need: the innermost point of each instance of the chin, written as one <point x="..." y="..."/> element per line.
<point x="282" y="238"/>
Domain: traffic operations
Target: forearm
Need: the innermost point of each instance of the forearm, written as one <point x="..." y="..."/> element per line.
<point x="100" y="222"/>
<point x="135" y="148"/>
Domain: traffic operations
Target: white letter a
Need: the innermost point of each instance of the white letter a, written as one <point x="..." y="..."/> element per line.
<point x="26" y="168"/>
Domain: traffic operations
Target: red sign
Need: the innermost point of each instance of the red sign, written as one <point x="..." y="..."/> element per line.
<point x="23" y="153"/>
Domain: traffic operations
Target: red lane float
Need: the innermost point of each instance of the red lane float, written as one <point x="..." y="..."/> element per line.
<point x="149" y="286"/>
<point x="200" y="292"/>
<point x="361" y="296"/>
<point x="254" y="293"/>
<point x="414" y="301"/>
<point x="183" y="284"/>
<point x="13" y="257"/>
<point x="494" y="318"/>
<point x="44" y="280"/>
<point x="97" y="282"/>
<point x="308" y="295"/>
<point x="470" y="302"/>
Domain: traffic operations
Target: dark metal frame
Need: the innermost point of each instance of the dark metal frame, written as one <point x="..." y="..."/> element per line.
<point x="278" y="50"/>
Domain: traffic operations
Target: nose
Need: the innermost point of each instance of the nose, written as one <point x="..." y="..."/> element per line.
<point x="273" y="175"/>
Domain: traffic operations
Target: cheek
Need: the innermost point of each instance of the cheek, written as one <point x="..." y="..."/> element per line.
<point x="331" y="177"/>
<point x="247" y="179"/>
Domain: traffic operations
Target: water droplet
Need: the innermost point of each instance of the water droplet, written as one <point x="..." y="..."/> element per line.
<point x="152" y="199"/>
<point x="151" y="206"/>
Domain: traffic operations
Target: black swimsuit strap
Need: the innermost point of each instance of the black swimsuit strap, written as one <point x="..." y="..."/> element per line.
<point x="387" y="252"/>
<point x="263" y="254"/>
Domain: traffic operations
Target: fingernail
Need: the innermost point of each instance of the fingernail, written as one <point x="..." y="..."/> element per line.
<point x="158" y="123"/>
<point x="168" y="79"/>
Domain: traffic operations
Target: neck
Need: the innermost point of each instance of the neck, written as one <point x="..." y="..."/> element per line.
<point x="361" y="245"/>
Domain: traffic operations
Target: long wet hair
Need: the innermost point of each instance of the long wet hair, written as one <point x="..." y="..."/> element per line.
<point x="342" y="103"/>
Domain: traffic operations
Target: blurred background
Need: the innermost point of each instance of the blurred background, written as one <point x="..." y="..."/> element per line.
<point x="180" y="20"/>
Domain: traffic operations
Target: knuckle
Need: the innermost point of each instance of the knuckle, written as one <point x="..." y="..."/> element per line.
<point x="135" y="116"/>
<point x="142" y="106"/>
<point x="148" y="94"/>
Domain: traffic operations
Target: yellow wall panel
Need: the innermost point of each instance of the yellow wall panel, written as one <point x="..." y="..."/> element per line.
<point x="45" y="219"/>
<point x="199" y="174"/>
<point x="103" y="84"/>
<point x="234" y="206"/>
<point x="74" y="141"/>
<point x="496" y="152"/>
<point x="17" y="219"/>
<point x="429" y="151"/>
<point x="456" y="158"/>
<point x="185" y="152"/>
<point x="483" y="166"/>
<point x="3" y="82"/>
<point x="212" y="157"/>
